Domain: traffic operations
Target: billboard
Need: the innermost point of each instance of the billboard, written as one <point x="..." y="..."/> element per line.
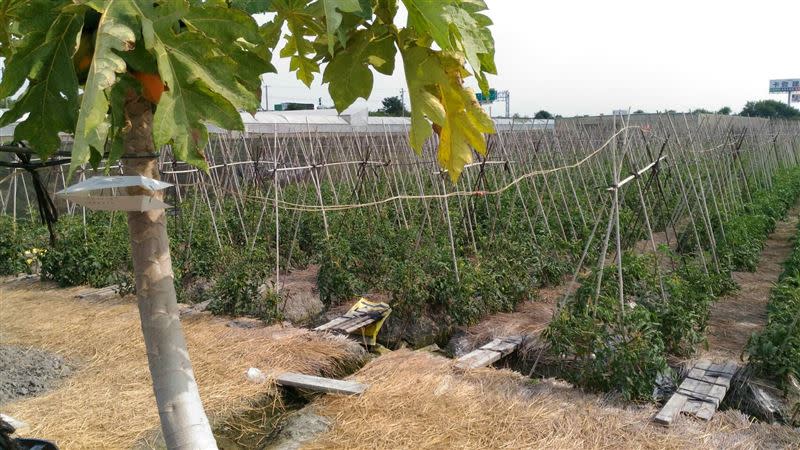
<point x="787" y="85"/>
<point x="795" y="98"/>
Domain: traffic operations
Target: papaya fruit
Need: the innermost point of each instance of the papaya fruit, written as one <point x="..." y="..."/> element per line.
<point x="82" y="59"/>
<point x="152" y="86"/>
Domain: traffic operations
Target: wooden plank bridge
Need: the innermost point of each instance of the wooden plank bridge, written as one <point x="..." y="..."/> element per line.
<point x="701" y="393"/>
<point x="489" y="353"/>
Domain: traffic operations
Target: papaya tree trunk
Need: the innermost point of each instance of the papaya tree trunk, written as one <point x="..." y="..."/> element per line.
<point x="183" y="420"/>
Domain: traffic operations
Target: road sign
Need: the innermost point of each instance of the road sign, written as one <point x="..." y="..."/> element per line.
<point x="491" y="99"/>
<point x="787" y="85"/>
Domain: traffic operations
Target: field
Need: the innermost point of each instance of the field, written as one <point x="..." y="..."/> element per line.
<point x="621" y="252"/>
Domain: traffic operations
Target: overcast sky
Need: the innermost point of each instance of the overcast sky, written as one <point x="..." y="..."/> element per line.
<point x="574" y="57"/>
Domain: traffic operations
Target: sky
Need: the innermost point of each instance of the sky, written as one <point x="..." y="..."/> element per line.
<point x="575" y="57"/>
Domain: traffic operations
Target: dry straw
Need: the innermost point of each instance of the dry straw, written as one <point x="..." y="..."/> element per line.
<point x="416" y="400"/>
<point x="108" y="401"/>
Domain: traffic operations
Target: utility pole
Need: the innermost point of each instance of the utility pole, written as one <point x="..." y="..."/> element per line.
<point x="403" y="102"/>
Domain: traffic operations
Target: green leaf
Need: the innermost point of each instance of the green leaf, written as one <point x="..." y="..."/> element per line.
<point x="301" y="21"/>
<point x="201" y="76"/>
<point x="238" y="34"/>
<point x="454" y="25"/>
<point x="125" y="84"/>
<point x="9" y="11"/>
<point x="333" y="16"/>
<point x="382" y="53"/>
<point x="44" y="58"/>
<point x="114" y="32"/>
<point x="348" y="73"/>
<point x="438" y="94"/>
<point x="252" y="6"/>
<point x="305" y="68"/>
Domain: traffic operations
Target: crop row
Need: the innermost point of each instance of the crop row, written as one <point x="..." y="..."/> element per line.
<point x="603" y="345"/>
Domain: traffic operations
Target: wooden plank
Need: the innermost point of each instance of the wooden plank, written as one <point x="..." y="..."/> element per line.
<point x="489" y="353"/>
<point x="671" y="409"/>
<point x="504" y="345"/>
<point x="332" y="323"/>
<point x="319" y="384"/>
<point x="350" y="322"/>
<point x="694" y="387"/>
<point x="358" y="324"/>
<point x="700" y="396"/>
<point x="676" y="403"/>
<point x="718" y="390"/>
<point x="100" y="293"/>
<point x="478" y="358"/>
<point x="347" y="323"/>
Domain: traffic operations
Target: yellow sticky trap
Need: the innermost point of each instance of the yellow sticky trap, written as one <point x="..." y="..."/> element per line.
<point x="370" y="332"/>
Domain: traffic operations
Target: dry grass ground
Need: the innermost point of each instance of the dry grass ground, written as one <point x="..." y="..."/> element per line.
<point x="416" y="400"/>
<point x="734" y="318"/>
<point x="108" y="402"/>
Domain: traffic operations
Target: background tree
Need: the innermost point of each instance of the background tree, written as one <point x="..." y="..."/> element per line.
<point x="770" y="109"/>
<point x="543" y="115"/>
<point x="701" y="111"/>
<point x="725" y="111"/>
<point x="156" y="72"/>
<point x="393" y="107"/>
<point x="638" y="111"/>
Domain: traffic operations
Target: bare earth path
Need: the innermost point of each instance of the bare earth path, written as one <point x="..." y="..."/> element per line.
<point x="734" y="318"/>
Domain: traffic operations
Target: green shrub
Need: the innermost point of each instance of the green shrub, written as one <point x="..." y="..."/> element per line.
<point x="608" y="350"/>
<point x="775" y="351"/>
<point x="337" y="280"/>
<point x="90" y="255"/>
<point x="12" y="249"/>
<point x="604" y="352"/>
<point x="236" y="292"/>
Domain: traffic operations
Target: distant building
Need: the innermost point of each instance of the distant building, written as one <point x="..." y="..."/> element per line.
<point x="289" y="106"/>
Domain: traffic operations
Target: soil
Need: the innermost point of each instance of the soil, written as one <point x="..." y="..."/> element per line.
<point x="529" y="319"/>
<point x="300" y="302"/>
<point x="25" y="372"/>
<point x="734" y="318"/>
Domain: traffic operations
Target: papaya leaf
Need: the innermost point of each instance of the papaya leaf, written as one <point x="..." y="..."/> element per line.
<point x="305" y="68"/>
<point x="252" y="6"/>
<point x="437" y="94"/>
<point x="348" y="72"/>
<point x="201" y="80"/>
<point x="382" y="53"/>
<point x="117" y="96"/>
<point x="115" y="32"/>
<point x="456" y="25"/>
<point x="237" y="33"/>
<point x="43" y="57"/>
<point x="333" y="16"/>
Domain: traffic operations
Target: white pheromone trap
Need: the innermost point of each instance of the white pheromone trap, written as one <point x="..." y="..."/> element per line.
<point x="104" y="193"/>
